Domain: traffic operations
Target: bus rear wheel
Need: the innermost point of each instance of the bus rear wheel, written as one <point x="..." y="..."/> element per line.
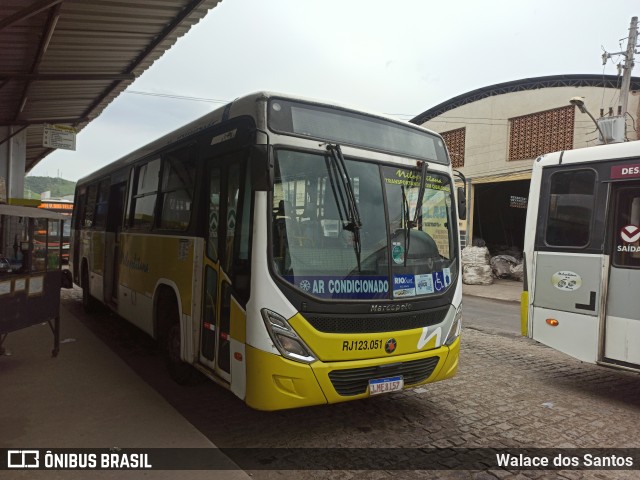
<point x="88" y="302"/>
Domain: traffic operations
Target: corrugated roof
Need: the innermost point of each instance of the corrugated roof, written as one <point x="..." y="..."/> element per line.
<point x="64" y="61"/>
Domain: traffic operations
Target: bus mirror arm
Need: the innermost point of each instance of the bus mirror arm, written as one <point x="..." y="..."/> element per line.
<point x="462" y="195"/>
<point x="462" y="203"/>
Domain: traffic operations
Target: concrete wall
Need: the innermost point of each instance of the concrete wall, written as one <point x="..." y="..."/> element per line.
<point x="487" y="123"/>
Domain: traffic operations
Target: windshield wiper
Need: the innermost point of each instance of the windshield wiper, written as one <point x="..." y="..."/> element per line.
<point x="351" y="208"/>
<point x="423" y="182"/>
<point x="407" y="223"/>
<point x="411" y="224"/>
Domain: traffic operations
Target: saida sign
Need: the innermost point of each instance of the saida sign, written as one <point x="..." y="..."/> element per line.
<point x="59" y="136"/>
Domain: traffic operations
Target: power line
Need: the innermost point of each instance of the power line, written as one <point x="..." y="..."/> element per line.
<point x="178" y="97"/>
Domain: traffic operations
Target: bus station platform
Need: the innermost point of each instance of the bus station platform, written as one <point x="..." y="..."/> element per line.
<point x="87" y="397"/>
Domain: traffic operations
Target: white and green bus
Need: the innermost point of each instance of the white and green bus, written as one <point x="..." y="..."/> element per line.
<point x="582" y="254"/>
<point x="295" y="252"/>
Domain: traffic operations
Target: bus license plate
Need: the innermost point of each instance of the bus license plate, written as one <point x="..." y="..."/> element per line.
<point x="384" y="385"/>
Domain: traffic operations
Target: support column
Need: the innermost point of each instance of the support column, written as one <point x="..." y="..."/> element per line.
<point x="13" y="153"/>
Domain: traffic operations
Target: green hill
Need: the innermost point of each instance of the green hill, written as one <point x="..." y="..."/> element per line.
<point x="59" y="187"/>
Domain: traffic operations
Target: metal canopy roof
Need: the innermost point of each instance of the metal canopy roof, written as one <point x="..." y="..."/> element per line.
<point x="64" y="61"/>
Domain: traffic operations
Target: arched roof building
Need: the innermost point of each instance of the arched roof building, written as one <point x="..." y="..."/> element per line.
<point x="495" y="133"/>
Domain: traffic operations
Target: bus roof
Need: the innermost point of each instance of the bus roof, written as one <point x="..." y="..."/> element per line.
<point x="591" y="154"/>
<point x="237" y="107"/>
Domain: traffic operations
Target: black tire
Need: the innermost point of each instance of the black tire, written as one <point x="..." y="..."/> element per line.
<point x="169" y="318"/>
<point x="89" y="303"/>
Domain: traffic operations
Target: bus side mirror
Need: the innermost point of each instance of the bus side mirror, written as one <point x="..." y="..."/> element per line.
<point x="67" y="279"/>
<point x="462" y="203"/>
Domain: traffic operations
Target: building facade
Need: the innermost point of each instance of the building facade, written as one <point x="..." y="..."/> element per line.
<point x="495" y="133"/>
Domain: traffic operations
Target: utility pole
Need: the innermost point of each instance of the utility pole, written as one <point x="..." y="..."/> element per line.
<point x="617" y="125"/>
<point x="628" y="65"/>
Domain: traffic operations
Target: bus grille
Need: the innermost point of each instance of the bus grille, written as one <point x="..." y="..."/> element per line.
<point x="376" y="323"/>
<point x="356" y="380"/>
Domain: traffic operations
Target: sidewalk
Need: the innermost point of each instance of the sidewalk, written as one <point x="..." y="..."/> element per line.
<point x="506" y="290"/>
<point x="87" y="397"/>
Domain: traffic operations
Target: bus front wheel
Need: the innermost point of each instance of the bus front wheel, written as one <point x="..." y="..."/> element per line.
<point x="169" y="320"/>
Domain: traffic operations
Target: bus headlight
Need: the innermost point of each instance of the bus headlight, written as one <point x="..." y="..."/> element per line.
<point x="456" y="327"/>
<point x="286" y="340"/>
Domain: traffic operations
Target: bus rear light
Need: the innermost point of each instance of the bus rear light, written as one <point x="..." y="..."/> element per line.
<point x="285" y="339"/>
<point x="237" y="356"/>
<point x="553" y="322"/>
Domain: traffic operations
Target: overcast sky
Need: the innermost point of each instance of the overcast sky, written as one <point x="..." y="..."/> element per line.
<point x="397" y="57"/>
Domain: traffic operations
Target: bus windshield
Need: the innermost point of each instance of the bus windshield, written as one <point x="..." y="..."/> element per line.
<point x="396" y="252"/>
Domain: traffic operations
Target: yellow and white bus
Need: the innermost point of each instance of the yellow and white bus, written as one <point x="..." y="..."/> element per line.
<point x="582" y="254"/>
<point x="295" y="252"/>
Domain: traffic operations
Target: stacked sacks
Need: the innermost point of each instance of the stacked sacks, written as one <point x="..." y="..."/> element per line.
<point x="507" y="266"/>
<point x="476" y="269"/>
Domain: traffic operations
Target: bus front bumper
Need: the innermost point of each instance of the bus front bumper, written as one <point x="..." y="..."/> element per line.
<point x="274" y="382"/>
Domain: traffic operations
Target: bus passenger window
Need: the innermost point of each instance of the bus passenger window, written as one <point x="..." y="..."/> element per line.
<point x="177" y="191"/>
<point x="570" y="211"/>
<point x="627" y="222"/>
<point x="144" y="200"/>
<point x="100" y="217"/>
<point x="233" y="192"/>
<point x="90" y="206"/>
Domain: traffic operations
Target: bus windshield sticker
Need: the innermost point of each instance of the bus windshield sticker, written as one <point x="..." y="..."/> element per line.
<point x="404" y="286"/>
<point x="325" y="286"/>
<point x="566" y="281"/>
<point x="439" y="281"/>
<point x="397" y="253"/>
<point x="447" y="276"/>
<point x="424" y="284"/>
<point x="411" y="178"/>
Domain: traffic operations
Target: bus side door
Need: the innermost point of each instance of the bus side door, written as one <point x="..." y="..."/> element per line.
<point x="570" y="265"/>
<point x="112" y="242"/>
<point x="622" y="321"/>
<point x="226" y="269"/>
